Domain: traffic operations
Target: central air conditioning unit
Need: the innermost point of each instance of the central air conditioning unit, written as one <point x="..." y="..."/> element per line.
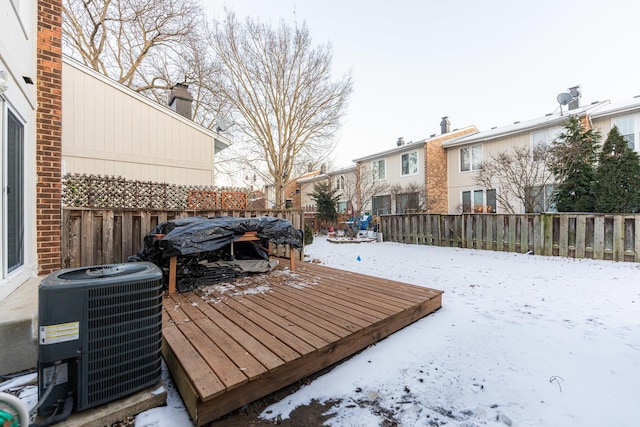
<point x="100" y="334"/>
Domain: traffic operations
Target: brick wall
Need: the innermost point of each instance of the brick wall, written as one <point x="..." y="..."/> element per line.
<point x="49" y="134"/>
<point x="435" y="171"/>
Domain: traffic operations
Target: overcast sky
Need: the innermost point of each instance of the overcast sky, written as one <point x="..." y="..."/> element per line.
<point x="483" y="63"/>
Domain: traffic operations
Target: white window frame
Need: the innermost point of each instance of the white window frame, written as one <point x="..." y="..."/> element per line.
<point x="484" y="203"/>
<point x="474" y="165"/>
<point x="627" y="128"/>
<point x="379" y="173"/>
<point x="545" y="136"/>
<point x="409" y="155"/>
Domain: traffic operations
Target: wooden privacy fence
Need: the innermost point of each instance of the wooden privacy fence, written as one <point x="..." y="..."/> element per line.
<point x="597" y="236"/>
<point x="93" y="236"/>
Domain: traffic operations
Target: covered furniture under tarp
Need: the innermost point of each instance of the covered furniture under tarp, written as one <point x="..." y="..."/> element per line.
<point x="208" y="248"/>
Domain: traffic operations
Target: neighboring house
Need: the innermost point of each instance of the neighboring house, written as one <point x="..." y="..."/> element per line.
<point x="290" y="192"/>
<point x="411" y="177"/>
<point x="343" y="180"/>
<point x="110" y="129"/>
<point x="18" y="248"/>
<point x="466" y="155"/>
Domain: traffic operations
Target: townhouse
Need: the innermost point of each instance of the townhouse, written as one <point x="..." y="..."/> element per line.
<point x="410" y="177"/>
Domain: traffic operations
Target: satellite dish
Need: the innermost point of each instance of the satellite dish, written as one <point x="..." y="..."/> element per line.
<point x="564" y="98"/>
<point x="221" y="125"/>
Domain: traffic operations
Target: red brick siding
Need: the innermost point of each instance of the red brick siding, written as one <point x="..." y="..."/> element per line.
<point x="49" y="135"/>
<point x="435" y="171"/>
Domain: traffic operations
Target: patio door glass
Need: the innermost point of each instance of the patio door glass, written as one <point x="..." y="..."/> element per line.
<point x="14" y="192"/>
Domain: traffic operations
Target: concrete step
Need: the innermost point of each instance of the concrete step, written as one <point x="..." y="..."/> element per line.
<point x="19" y="328"/>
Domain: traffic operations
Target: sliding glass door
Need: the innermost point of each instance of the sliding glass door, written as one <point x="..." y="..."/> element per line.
<point x="14" y="192"/>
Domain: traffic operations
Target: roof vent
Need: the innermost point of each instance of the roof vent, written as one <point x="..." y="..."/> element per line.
<point x="515" y="123"/>
<point x="400" y="142"/>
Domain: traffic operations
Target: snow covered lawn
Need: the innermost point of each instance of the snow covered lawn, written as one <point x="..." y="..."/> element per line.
<point x="520" y="340"/>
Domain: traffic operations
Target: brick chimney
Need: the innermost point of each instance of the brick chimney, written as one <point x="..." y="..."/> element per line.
<point x="180" y="100"/>
<point x="445" y="125"/>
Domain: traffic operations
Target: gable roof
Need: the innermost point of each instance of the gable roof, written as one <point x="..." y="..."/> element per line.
<point x="618" y="107"/>
<point x="413" y="145"/>
<point x="322" y="176"/>
<point x="525" y="126"/>
<point x="221" y="142"/>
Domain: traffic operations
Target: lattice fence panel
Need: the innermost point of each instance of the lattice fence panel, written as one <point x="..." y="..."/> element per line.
<point x="234" y="200"/>
<point x="97" y="191"/>
<point x="204" y="200"/>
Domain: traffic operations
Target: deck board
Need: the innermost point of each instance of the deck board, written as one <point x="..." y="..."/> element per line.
<point x="231" y="346"/>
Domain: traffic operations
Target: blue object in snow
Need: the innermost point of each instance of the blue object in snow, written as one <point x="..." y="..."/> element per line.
<point x="358" y="259"/>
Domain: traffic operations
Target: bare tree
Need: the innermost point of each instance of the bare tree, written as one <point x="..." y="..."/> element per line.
<point x="131" y="41"/>
<point x="288" y="107"/>
<point x="518" y="174"/>
<point x="415" y="196"/>
<point x="360" y="187"/>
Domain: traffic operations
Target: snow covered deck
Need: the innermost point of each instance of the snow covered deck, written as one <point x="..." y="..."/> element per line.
<point x="235" y="343"/>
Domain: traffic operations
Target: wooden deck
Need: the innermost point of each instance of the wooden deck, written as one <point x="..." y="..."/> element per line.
<point x="232" y="346"/>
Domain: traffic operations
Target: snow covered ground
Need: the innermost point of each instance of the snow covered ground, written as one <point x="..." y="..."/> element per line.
<point x="521" y="340"/>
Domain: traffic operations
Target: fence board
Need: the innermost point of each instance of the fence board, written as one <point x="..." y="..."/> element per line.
<point x="107" y="237"/>
<point x="491" y="219"/>
<point x="500" y="233"/>
<point x="512" y="233"/>
<point x="636" y="230"/>
<point x="86" y="247"/>
<point x="563" y="242"/>
<point x="581" y="228"/>
<point x="524" y="234"/>
<point x="598" y="237"/>
<point x="618" y="238"/>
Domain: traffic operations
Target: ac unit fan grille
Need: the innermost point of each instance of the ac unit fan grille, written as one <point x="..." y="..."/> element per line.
<point x="124" y="336"/>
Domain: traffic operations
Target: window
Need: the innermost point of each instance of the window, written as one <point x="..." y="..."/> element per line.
<point x="381" y="205"/>
<point x="544" y="199"/>
<point x="625" y="126"/>
<point x="14" y="193"/>
<point x="479" y="201"/>
<point x="471" y="158"/>
<point x="379" y="170"/>
<point x="545" y="136"/>
<point x="408" y="202"/>
<point x="341" y="207"/>
<point x="339" y="182"/>
<point x="409" y="163"/>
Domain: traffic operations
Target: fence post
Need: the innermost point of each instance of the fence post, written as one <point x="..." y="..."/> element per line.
<point x="618" y="237"/>
<point x="598" y="237"/>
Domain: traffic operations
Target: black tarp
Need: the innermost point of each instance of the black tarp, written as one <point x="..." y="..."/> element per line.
<point x="193" y="239"/>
